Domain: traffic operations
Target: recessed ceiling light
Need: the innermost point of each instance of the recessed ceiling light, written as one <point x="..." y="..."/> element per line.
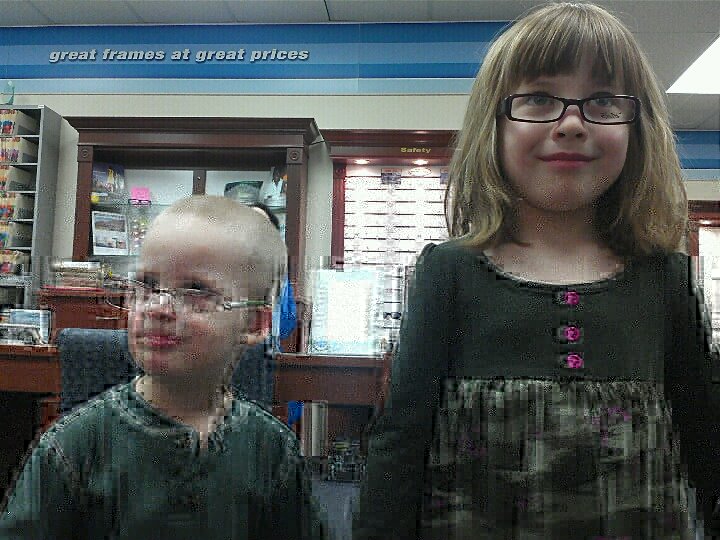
<point x="362" y="161"/>
<point x="702" y="77"/>
<point x="420" y="162"/>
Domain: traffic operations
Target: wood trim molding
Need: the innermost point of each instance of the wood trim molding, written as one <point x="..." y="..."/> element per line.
<point x="337" y="243"/>
<point x="704" y="207"/>
<point x="103" y="124"/>
<point x="398" y="146"/>
<point x="700" y="214"/>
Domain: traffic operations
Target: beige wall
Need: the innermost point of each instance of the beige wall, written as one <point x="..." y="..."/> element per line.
<point x="330" y="112"/>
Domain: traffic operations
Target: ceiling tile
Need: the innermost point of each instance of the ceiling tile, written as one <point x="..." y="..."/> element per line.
<point x="671" y="54"/>
<point x="87" y="11"/>
<point x="694" y="111"/>
<point x="21" y="13"/>
<point x="182" y="11"/>
<point x="278" y="11"/>
<point x="379" y="10"/>
<point x="666" y="16"/>
<point x="479" y="10"/>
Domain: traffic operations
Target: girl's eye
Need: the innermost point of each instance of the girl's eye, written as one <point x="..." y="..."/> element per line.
<point x="602" y="101"/>
<point x="537" y="100"/>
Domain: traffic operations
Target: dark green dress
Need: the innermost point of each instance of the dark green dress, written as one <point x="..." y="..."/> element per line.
<point x="521" y="410"/>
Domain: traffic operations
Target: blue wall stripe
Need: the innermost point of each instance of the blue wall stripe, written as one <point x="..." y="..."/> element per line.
<point x="699" y="149"/>
<point x="256" y="33"/>
<point x="350" y="86"/>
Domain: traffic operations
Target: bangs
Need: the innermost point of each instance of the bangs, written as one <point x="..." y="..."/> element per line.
<point x="555" y="43"/>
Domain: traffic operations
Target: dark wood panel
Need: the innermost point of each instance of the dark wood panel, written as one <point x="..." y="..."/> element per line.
<point x="336" y="386"/>
<point x="701" y="214"/>
<point x="346" y="421"/>
<point x="174" y="158"/>
<point x="391" y="147"/>
<point x="344" y="362"/>
<point x="337" y="242"/>
<point x="210" y="139"/>
<point x="388" y="137"/>
<point x="30" y="374"/>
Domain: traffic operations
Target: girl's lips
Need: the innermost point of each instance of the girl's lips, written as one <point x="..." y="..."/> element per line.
<point x="158" y="341"/>
<point x="566" y="163"/>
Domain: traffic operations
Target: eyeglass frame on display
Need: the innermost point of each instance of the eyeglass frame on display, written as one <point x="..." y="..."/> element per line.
<point x="505" y="108"/>
<point x="226" y="304"/>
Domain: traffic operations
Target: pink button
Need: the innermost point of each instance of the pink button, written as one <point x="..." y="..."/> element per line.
<point x="574" y="361"/>
<point x="572" y="333"/>
<point x="572" y="298"/>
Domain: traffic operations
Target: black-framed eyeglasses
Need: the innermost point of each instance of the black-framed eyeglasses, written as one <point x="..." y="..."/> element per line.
<point x="188" y="300"/>
<point x="541" y="108"/>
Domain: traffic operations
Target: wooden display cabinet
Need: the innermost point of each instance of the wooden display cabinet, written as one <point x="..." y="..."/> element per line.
<point x="392" y="148"/>
<point x="200" y="145"/>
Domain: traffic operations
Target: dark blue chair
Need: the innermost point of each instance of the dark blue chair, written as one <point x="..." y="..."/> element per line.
<point x="91" y="361"/>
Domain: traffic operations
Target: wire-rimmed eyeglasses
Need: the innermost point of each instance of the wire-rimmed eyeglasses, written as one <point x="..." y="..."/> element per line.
<point x="188" y="300"/>
<point x="541" y="108"/>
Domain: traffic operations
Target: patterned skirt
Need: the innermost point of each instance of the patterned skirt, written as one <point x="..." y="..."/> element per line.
<point x="536" y="459"/>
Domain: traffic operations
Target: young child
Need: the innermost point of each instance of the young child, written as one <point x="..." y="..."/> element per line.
<point x="553" y="378"/>
<point x="172" y="454"/>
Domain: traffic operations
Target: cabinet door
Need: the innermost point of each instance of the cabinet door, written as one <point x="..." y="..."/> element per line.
<point x="268" y="186"/>
<point x="120" y="220"/>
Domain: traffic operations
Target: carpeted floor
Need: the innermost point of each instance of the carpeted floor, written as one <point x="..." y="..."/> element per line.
<point x="337" y="501"/>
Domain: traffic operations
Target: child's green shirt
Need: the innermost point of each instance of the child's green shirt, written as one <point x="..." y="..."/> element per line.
<point x="118" y="468"/>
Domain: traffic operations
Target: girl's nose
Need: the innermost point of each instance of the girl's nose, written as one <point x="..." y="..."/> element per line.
<point x="571" y="123"/>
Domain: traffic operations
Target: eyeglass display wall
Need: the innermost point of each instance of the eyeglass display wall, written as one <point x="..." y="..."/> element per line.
<point x="391" y="213"/>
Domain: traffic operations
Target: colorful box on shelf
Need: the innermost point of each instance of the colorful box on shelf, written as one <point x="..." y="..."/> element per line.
<point x="14" y="179"/>
<point x="18" y="150"/>
<point x="16" y="206"/>
<point x="12" y="262"/>
<point x="19" y="235"/>
<point x="24" y="207"/>
<point x="17" y="123"/>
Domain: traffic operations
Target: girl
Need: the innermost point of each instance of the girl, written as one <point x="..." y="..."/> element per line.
<point x="553" y="378"/>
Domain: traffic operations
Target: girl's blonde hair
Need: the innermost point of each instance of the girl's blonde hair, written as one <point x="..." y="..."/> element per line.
<point x="645" y="211"/>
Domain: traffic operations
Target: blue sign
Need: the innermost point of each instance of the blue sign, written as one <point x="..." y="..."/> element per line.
<point x="303" y="51"/>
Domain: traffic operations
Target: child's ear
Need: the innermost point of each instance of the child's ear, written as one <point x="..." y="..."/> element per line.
<point x="260" y="327"/>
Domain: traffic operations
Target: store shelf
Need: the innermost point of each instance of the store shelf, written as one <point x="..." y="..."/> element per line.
<point x="41" y="128"/>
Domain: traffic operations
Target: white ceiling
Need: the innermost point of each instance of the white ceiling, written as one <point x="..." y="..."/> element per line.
<point x="673" y="33"/>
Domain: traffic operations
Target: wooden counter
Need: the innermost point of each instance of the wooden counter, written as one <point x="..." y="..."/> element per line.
<point x="29" y="399"/>
<point x="30" y="386"/>
<point x="353" y="386"/>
